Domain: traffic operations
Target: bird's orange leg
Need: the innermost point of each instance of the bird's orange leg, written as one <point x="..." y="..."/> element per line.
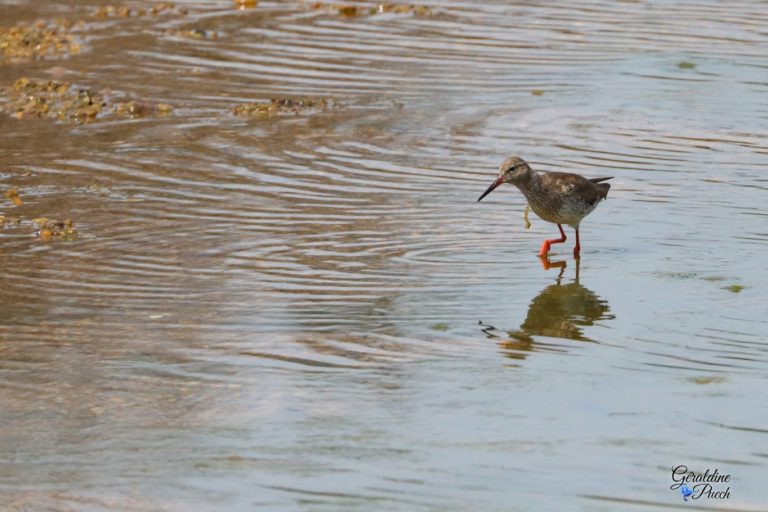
<point x="577" y="249"/>
<point x="545" y="246"/>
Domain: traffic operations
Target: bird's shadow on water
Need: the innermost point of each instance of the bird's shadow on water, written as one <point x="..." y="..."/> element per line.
<point x="558" y="311"/>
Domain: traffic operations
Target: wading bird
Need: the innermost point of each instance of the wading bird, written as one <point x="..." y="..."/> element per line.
<point x="557" y="197"/>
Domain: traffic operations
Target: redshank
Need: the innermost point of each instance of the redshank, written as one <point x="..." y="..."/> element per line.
<point x="557" y="197"/>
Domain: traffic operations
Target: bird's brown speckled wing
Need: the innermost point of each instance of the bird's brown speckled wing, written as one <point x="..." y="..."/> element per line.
<point x="568" y="185"/>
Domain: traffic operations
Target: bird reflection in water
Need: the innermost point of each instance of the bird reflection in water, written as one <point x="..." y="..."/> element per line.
<point x="559" y="311"/>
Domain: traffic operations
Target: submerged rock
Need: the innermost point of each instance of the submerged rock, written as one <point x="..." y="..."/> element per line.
<point x="124" y="11"/>
<point x="354" y="10"/>
<point x="26" y="42"/>
<point x="245" y="4"/>
<point x="135" y="109"/>
<point x="63" y="101"/>
<point x="51" y="99"/>
<point x="51" y="229"/>
<point x="193" y="33"/>
<point x="13" y="196"/>
<point x="6" y="220"/>
<point x="281" y="106"/>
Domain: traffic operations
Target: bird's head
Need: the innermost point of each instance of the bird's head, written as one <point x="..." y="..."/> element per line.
<point x="512" y="170"/>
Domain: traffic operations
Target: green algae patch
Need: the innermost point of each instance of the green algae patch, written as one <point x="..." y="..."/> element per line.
<point x="277" y="106"/>
<point x="27" y="42"/>
<point x="734" y="288"/>
<point x="703" y="381"/>
<point x="439" y="327"/>
<point x="684" y="64"/>
<point x="677" y="275"/>
<point x="525" y="216"/>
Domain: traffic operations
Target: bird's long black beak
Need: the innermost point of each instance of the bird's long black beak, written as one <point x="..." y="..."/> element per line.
<point x="495" y="184"/>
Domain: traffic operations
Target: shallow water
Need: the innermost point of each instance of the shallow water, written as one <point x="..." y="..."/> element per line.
<point x="311" y="311"/>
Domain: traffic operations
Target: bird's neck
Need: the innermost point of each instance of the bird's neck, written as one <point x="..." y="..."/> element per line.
<point x="530" y="183"/>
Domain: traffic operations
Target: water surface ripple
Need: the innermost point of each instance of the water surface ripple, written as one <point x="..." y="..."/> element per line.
<point x="311" y="311"/>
